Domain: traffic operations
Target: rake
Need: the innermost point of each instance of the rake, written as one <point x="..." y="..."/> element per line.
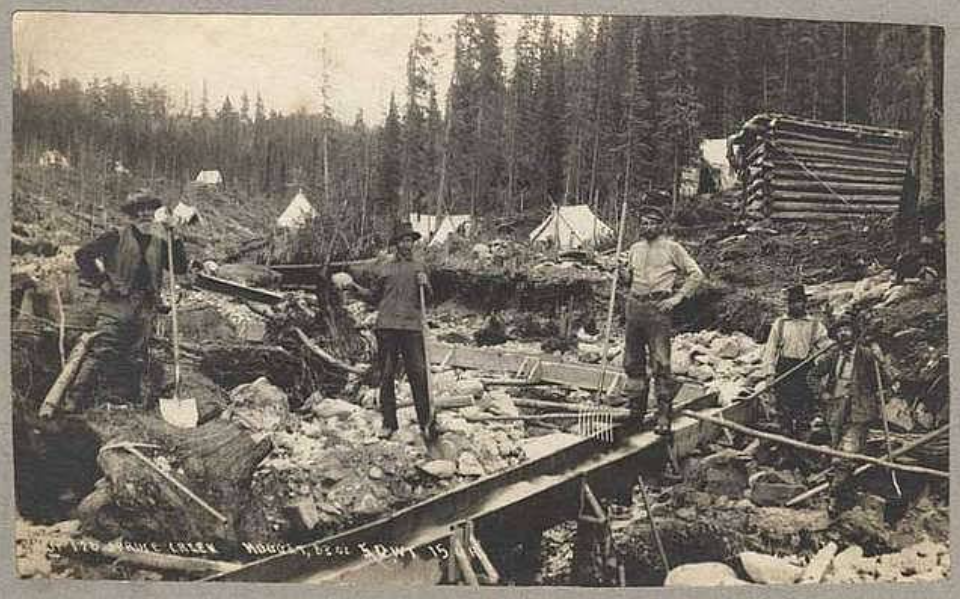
<point x="596" y="421"/>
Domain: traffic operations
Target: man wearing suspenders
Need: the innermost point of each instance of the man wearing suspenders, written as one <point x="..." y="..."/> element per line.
<point x="793" y="338"/>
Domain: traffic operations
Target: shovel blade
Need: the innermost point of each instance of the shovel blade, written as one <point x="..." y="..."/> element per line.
<point x="181" y="413"/>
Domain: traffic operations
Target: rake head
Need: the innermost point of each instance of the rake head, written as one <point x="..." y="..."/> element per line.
<point x="596" y="422"/>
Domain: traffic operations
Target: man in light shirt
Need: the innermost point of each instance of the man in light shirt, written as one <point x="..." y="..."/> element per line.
<point x="794" y="338"/>
<point x="656" y="265"/>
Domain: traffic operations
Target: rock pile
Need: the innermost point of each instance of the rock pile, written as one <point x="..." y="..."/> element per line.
<point x="329" y="471"/>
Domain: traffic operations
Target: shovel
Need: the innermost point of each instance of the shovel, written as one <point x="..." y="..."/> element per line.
<point x="177" y="411"/>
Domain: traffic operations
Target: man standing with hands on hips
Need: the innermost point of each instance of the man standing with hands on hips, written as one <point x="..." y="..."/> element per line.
<point x="397" y="282"/>
<point x="655" y="261"/>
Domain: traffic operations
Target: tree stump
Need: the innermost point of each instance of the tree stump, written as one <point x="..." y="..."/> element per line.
<point x="215" y="461"/>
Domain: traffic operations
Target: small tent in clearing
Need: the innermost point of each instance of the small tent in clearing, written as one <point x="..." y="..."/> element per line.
<point x="714" y="152"/>
<point x="441" y="227"/>
<point x="578" y="227"/>
<point x="298" y="212"/>
<point x="209" y="178"/>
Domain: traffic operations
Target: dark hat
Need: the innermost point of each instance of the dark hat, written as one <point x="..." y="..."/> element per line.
<point x="796" y="293"/>
<point x="651" y="212"/>
<point x="404" y="229"/>
<point x="136" y="202"/>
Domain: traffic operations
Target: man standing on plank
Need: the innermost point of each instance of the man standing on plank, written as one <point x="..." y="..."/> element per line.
<point x="655" y="264"/>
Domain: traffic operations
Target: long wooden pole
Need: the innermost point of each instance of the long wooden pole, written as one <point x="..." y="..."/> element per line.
<point x="881" y="395"/>
<point x="861" y="469"/>
<point x="612" y="300"/>
<point x="814" y="448"/>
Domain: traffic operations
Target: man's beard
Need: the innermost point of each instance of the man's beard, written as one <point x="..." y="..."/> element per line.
<point x="650" y="233"/>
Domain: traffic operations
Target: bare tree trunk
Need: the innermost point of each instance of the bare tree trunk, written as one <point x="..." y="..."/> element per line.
<point x="843" y="69"/>
<point x="927" y="197"/>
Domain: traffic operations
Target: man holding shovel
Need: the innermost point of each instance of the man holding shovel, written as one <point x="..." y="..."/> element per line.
<point x="854" y="394"/>
<point x="127" y="265"/>
<point x="399" y="283"/>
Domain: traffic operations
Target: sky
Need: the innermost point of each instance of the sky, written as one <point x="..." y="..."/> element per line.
<point x="277" y="56"/>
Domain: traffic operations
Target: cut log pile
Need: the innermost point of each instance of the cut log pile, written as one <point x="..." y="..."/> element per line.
<point x="800" y="169"/>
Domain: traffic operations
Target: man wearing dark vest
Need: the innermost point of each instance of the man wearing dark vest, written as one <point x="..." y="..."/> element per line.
<point x="127" y="265"/>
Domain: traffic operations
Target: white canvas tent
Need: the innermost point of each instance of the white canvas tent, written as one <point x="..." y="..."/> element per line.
<point x="54" y="158"/>
<point x="209" y="178"/>
<point x="298" y="212"/>
<point x="441" y="227"/>
<point x="577" y="226"/>
<point x="714" y="152"/>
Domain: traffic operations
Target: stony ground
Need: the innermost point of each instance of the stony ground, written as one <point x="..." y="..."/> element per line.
<point x="328" y="473"/>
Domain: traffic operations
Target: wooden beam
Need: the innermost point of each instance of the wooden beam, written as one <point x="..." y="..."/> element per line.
<point x="838" y="208"/>
<point x="780" y="181"/>
<point x="820" y="167"/>
<point x="870" y="142"/>
<point x="834" y="176"/>
<point x="233" y="289"/>
<point x="826" y="196"/>
<point x="818" y="449"/>
<point x="814" y="127"/>
<point x="837" y="157"/>
<point x="818" y="215"/>
<point x="842" y="148"/>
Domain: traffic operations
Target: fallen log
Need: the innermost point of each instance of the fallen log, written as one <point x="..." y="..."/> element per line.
<point x="56" y="393"/>
<point x="819" y="449"/>
<point x="153" y="560"/>
<point x="233" y="289"/>
<point x="444" y="402"/>
<point x="909" y="447"/>
<point x="325" y="356"/>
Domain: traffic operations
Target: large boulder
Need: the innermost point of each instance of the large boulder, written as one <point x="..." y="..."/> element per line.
<point x="705" y="574"/>
<point x="260" y="405"/>
<point x="767" y="569"/>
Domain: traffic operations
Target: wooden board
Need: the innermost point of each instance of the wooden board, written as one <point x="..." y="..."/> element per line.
<point x="547" y="367"/>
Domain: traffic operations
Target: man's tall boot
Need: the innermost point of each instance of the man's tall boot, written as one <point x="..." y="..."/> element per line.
<point x="636" y="392"/>
<point x="664" y="416"/>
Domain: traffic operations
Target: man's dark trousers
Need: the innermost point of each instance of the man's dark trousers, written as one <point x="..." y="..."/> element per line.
<point x="394" y="345"/>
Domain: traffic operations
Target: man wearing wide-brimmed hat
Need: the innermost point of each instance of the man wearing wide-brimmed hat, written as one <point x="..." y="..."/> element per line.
<point x="794" y="338"/>
<point x="396" y="291"/>
<point x="127" y="265"/>
<point x="656" y="263"/>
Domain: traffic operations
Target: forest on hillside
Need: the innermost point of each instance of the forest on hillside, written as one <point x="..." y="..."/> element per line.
<point x="583" y="116"/>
